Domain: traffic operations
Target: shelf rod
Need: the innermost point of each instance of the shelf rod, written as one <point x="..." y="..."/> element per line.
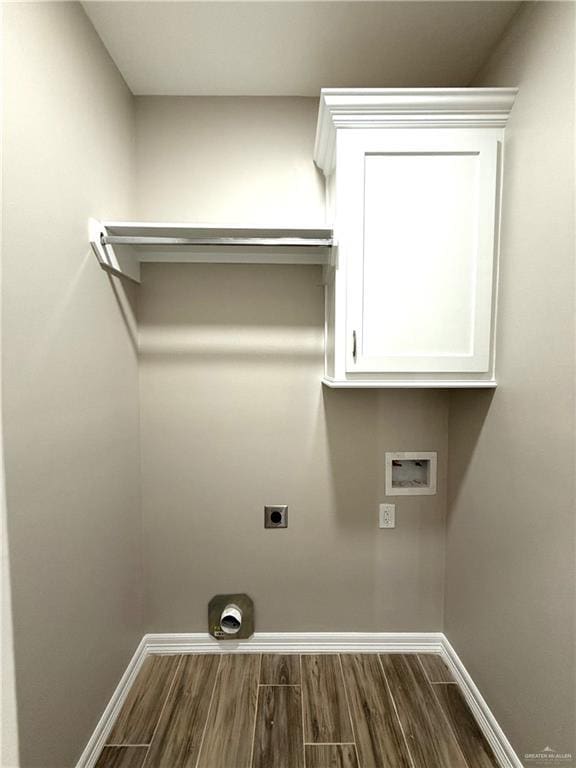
<point x="320" y="242"/>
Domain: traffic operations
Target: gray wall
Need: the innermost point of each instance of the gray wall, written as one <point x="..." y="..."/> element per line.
<point x="70" y="380"/>
<point x="228" y="160"/>
<point x="510" y="578"/>
<point x="233" y="412"/>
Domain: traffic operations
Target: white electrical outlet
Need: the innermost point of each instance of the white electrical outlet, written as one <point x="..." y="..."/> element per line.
<point x="387" y="515"/>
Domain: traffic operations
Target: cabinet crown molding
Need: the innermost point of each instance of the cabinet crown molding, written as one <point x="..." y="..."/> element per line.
<point x="342" y="108"/>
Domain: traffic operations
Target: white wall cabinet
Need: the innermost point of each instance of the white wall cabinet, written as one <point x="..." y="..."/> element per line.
<point x="413" y="180"/>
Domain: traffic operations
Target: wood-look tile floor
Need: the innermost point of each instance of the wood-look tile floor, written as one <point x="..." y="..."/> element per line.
<point x="290" y="711"/>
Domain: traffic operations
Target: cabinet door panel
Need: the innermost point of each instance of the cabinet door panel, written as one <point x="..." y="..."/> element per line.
<point x="420" y="270"/>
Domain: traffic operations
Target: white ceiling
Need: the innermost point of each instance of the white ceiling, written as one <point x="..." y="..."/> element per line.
<point x="295" y="48"/>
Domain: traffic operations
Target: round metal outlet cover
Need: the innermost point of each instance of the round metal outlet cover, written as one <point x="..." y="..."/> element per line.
<point x="240" y="603"/>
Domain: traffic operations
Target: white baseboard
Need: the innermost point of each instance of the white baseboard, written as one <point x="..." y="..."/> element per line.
<point x="307" y="642"/>
<point x="505" y="754"/>
<point x="301" y="642"/>
<point x="92" y="751"/>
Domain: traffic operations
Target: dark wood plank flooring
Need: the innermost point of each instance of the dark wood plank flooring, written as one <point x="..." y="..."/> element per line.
<point x="278" y="739"/>
<point x="291" y="711"/>
<point x="430" y="739"/>
<point x="138" y="717"/>
<point x="280" y="669"/>
<point x="331" y="756"/>
<point x="122" y="757"/>
<point x="179" y="733"/>
<point x="435" y="669"/>
<point x="472" y="743"/>
<point x="230" y="726"/>
<point x="326" y="715"/>
<point x="379" y="738"/>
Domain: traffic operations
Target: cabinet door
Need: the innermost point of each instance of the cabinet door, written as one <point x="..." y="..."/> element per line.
<point x="419" y="242"/>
